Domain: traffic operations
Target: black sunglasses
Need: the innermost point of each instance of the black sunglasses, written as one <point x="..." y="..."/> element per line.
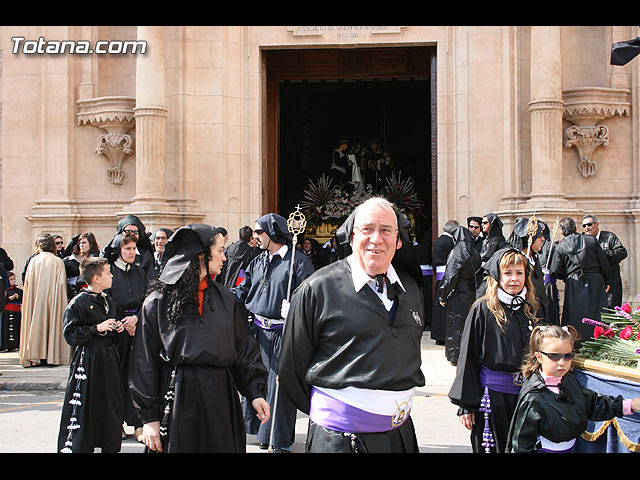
<point x="556" y="357"/>
<point x="587" y="224"/>
<point x="258" y="231"/>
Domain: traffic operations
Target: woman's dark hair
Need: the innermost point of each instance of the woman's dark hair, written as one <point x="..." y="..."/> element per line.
<point x="183" y="296"/>
<point x="93" y="243"/>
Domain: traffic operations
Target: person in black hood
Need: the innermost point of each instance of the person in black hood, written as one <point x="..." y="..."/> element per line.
<point x="194" y="353"/>
<point x="265" y="292"/>
<point x="458" y="289"/>
<point x="144" y="249"/>
<point x="582" y="265"/>
<point x="528" y="237"/>
<point x="493" y="237"/>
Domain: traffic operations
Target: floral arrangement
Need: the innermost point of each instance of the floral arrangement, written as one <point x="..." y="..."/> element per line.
<point x="616" y="337"/>
<point x="402" y="194"/>
<point x="324" y="202"/>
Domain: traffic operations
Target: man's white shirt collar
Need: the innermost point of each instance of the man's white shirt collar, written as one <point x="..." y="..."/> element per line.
<point x="282" y="251"/>
<point x="360" y="277"/>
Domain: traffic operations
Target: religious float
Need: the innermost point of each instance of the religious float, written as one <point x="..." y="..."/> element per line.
<point x="609" y="363"/>
<point x="327" y="205"/>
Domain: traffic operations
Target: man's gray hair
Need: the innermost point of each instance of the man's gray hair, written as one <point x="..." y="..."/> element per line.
<point x="381" y="202"/>
<point x="450" y="226"/>
<point x="592" y="217"/>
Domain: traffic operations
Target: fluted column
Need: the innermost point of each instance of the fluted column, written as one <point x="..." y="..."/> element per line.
<point x="150" y="115"/>
<point x="546" y="108"/>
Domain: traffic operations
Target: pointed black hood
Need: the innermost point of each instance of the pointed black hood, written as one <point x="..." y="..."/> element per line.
<point x="183" y="246"/>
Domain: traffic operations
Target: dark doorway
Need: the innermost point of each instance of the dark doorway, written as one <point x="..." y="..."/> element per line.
<point x="314" y="97"/>
<point x="314" y="115"/>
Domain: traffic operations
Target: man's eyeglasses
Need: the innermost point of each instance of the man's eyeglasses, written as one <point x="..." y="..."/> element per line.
<point x="131" y="232"/>
<point x="258" y="231"/>
<point x="484" y="222"/>
<point x="588" y="224"/>
<point x="59" y="243"/>
<point x="474" y="226"/>
<point x="368" y="230"/>
<point x="556" y="357"/>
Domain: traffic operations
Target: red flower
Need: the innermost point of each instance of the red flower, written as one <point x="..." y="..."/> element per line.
<point x="609" y="333"/>
<point x="597" y="331"/>
<point x="626" y="307"/>
<point x="626" y="332"/>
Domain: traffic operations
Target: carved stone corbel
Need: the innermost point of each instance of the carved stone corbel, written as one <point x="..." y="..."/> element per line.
<point x="115" y="116"/>
<point x="586" y="140"/>
<point x="585" y="107"/>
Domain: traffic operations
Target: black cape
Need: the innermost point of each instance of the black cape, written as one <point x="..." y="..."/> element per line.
<point x="239" y="254"/>
<point x="100" y="413"/>
<point x="458" y="289"/>
<point x="615" y="252"/>
<point x="214" y="355"/>
<point x="581" y="264"/>
<point x="442" y="247"/>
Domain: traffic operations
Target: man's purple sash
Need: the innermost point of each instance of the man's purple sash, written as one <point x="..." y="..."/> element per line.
<point x="342" y="417"/>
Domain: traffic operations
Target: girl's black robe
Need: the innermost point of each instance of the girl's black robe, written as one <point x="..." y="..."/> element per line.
<point x="215" y="357"/>
<point x="497" y="347"/>
<point x="559" y="417"/>
<point x="100" y="412"/>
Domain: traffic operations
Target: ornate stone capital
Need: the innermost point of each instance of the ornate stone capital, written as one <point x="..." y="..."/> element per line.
<point x="585" y="107"/>
<point x="115" y="116"/>
<point x="586" y="140"/>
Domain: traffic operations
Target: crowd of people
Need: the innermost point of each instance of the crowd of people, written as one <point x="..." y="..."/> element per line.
<point x="195" y="343"/>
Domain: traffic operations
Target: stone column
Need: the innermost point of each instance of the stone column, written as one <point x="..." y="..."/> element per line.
<point x="546" y="108"/>
<point x="150" y="115"/>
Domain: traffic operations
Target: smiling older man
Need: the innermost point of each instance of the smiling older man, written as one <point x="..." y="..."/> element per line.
<point x="350" y="354"/>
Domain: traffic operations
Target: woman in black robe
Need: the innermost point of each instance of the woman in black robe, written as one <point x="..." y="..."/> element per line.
<point x="128" y="292"/>
<point x="458" y="289"/>
<point x="495" y="339"/>
<point x="194" y="353"/>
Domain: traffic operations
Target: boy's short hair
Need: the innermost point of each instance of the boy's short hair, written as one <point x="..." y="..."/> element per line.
<point x="90" y="267"/>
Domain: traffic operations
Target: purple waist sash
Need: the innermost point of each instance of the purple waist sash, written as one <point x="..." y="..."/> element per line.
<point x="502" y="382"/>
<point x="342" y="417"/>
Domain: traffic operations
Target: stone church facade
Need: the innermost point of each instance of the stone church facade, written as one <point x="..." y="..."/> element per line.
<point x="184" y="127"/>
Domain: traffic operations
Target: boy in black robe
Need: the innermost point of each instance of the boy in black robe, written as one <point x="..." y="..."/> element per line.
<point x="11" y="316"/>
<point x="92" y="409"/>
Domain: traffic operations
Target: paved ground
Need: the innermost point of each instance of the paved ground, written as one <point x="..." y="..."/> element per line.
<point x="33" y="396"/>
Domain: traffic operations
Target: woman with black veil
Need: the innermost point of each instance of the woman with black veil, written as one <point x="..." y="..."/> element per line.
<point x="194" y="353"/>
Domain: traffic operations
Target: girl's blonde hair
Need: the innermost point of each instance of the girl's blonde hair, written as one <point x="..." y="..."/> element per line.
<point x="491" y="295"/>
<point x="539" y="334"/>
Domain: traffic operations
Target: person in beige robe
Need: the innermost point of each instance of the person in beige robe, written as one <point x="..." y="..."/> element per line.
<point x="43" y="306"/>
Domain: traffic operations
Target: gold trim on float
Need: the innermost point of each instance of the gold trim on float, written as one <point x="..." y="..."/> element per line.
<point x="619" y="371"/>
<point x="592" y="437"/>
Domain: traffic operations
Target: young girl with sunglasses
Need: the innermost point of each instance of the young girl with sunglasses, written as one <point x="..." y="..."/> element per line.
<point x="553" y="407"/>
